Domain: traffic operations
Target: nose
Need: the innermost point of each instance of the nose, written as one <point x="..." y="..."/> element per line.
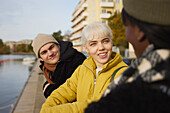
<point x="50" y="53"/>
<point x="101" y="46"/>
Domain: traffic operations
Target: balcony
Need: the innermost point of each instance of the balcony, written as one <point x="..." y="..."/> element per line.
<point x="79" y="11"/>
<point x="84" y="5"/>
<point x="80" y="18"/>
<point x="105" y="15"/>
<point x="106" y="4"/>
<point x="77" y="43"/>
<point x="76" y="36"/>
<point x="80" y="26"/>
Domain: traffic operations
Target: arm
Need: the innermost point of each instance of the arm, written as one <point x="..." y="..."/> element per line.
<point x="48" y="88"/>
<point x="75" y="107"/>
<point x="60" y="99"/>
<point x="64" y="94"/>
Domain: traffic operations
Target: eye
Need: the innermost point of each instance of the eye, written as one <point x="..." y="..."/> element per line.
<point x="43" y="52"/>
<point x="51" y="47"/>
<point x="106" y="40"/>
<point x="92" y="44"/>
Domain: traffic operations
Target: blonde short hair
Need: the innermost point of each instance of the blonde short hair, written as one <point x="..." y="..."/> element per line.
<point x="95" y="29"/>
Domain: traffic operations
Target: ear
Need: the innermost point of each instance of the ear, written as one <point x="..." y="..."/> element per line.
<point x="40" y="59"/>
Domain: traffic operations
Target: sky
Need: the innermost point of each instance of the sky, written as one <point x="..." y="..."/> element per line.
<point x="24" y="19"/>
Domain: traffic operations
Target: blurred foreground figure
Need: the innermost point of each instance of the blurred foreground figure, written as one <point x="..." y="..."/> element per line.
<point x="145" y="86"/>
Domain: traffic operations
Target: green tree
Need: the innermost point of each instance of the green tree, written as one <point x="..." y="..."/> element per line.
<point x="5" y="50"/>
<point x="57" y="35"/>
<point x="1" y="43"/>
<point x="30" y="48"/>
<point x="20" y="48"/>
<point x="118" y="30"/>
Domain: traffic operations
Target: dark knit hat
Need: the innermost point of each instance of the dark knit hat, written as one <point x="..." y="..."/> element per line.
<point x="40" y="40"/>
<point x="150" y="11"/>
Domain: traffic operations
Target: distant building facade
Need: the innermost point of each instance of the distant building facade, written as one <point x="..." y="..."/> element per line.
<point x="13" y="44"/>
<point x="88" y="11"/>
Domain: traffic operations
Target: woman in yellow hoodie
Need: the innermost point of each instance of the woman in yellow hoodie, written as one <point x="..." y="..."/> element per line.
<point x="89" y="80"/>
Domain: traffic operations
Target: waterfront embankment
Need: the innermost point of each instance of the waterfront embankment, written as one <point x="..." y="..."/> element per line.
<point x="31" y="97"/>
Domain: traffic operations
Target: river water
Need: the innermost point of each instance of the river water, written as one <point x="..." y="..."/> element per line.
<point x="13" y="75"/>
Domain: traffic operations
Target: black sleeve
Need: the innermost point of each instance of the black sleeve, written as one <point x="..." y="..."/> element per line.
<point x="132" y="98"/>
<point x="49" y="89"/>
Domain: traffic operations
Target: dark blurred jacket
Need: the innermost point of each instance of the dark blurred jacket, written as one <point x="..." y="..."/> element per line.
<point x="143" y="88"/>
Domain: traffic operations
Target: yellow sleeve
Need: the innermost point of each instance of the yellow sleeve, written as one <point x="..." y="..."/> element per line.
<point x="75" y="107"/>
<point x="64" y="94"/>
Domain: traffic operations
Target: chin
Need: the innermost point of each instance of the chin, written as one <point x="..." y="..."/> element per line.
<point x="53" y="62"/>
<point x="104" y="62"/>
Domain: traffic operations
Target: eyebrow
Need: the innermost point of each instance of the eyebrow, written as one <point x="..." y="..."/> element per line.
<point x="92" y="41"/>
<point x="47" y="49"/>
<point x="51" y="46"/>
<point x="105" y="38"/>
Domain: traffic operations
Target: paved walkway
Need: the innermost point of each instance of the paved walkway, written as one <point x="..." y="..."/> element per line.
<point x="31" y="97"/>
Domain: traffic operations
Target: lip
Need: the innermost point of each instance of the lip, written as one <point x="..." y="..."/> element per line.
<point x="52" y="57"/>
<point x="102" y="55"/>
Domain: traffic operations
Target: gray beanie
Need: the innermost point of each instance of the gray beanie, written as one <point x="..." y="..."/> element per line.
<point x="40" y="40"/>
<point x="150" y="11"/>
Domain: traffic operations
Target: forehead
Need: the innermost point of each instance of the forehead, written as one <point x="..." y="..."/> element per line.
<point x="99" y="38"/>
<point x="95" y="40"/>
<point x="97" y="35"/>
<point x="46" y="46"/>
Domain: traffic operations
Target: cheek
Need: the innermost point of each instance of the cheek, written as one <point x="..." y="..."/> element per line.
<point x="55" y="49"/>
<point x="91" y="50"/>
<point x="42" y="58"/>
<point x="129" y="34"/>
<point x="108" y="46"/>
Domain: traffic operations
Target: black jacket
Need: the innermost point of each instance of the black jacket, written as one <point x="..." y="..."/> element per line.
<point x="70" y="59"/>
<point x="135" y="97"/>
<point x="143" y="88"/>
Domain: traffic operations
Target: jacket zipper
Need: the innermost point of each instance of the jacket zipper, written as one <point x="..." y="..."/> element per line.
<point x="93" y="75"/>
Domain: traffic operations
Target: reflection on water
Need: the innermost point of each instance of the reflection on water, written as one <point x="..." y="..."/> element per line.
<point x="13" y="75"/>
<point x="2" y="57"/>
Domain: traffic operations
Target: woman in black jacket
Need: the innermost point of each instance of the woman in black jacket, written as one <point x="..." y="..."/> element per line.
<point x="145" y="86"/>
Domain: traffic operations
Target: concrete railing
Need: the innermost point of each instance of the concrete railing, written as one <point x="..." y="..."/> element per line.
<point x="31" y="97"/>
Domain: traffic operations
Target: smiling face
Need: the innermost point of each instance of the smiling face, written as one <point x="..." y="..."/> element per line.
<point x="100" y="49"/>
<point x="50" y="53"/>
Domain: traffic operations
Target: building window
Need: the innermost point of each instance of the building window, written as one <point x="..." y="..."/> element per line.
<point x="118" y="11"/>
<point x="103" y="21"/>
<point x="117" y="1"/>
<point x="103" y="10"/>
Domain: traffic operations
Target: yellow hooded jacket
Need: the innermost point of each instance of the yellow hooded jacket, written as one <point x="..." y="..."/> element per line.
<point x="80" y="89"/>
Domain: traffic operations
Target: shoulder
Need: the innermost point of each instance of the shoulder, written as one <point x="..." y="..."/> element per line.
<point x="79" y="55"/>
<point x="65" y="43"/>
<point x="132" y="97"/>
